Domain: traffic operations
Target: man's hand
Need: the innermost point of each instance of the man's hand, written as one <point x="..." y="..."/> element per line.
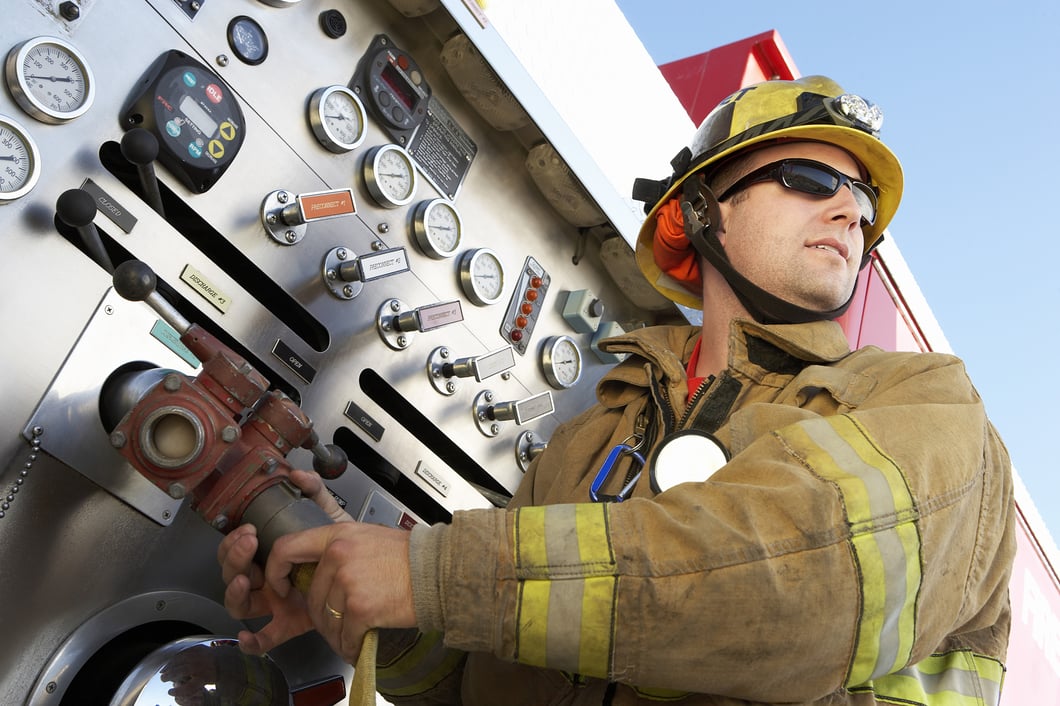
<point x="362" y="581"/>
<point x="247" y="596"/>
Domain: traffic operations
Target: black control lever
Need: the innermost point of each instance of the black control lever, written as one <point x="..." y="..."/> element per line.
<point x="140" y="147"/>
<point x="77" y="209"/>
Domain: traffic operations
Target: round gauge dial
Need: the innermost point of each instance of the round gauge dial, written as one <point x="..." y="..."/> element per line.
<point x="49" y="79"/>
<point x="248" y="40"/>
<point x="19" y="161"/>
<point x="337" y="118"/>
<point x="436" y="225"/>
<point x="482" y="276"/>
<point x="561" y="361"/>
<point x="390" y="176"/>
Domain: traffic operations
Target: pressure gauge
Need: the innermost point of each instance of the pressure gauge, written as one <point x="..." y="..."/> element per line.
<point x="19" y="161"/>
<point x="390" y="176"/>
<point x="436" y="225"/>
<point x="49" y="79"/>
<point x="482" y="276"/>
<point x="337" y="118"/>
<point x="248" y="40"/>
<point x="561" y="361"/>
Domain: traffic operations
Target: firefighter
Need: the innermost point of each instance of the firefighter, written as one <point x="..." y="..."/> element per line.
<point x="752" y="513"/>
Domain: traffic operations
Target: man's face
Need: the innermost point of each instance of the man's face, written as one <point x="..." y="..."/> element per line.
<point x="802" y="248"/>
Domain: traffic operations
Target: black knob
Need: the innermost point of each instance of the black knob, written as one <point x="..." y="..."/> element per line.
<point x="134" y="280"/>
<point x="76" y="208"/>
<point x="596" y="308"/>
<point x="139" y="146"/>
<point x="334" y="465"/>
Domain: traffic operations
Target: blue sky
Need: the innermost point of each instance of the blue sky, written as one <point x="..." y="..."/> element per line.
<point x="972" y="108"/>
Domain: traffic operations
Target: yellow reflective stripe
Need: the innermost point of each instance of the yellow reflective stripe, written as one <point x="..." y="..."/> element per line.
<point x="884" y="537"/>
<point x="960" y="678"/>
<point x="419" y="669"/>
<point x="566" y="601"/>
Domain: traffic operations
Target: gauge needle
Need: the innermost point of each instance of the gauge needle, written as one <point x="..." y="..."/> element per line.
<point x="9" y="158"/>
<point x="344" y="118"/>
<point x="65" y="79"/>
<point x="396" y="176"/>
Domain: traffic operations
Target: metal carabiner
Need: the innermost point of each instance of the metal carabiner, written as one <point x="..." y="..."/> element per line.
<point x="609" y="464"/>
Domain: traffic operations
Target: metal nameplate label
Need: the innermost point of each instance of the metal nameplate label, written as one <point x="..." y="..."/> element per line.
<point x="383" y="264"/>
<point x="169" y="337"/>
<point x="533" y="407"/>
<point x="433" y="479"/>
<point x="435" y="316"/>
<point x="327" y="204"/>
<point x="492" y="363"/>
<point x="364" y="420"/>
<point x="206" y="289"/>
<point x="298" y="365"/>
<point x="109" y="206"/>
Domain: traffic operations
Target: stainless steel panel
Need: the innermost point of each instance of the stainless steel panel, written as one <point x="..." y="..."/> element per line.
<point x="85" y="542"/>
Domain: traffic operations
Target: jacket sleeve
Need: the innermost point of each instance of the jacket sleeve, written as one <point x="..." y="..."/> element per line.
<point x="832" y="550"/>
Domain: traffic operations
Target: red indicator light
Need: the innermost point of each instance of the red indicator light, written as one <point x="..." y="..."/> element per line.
<point x="527" y="308"/>
<point x="535" y="282"/>
<point x="516" y="335"/>
<point x="531" y="295"/>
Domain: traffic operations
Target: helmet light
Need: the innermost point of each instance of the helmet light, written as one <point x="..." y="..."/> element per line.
<point x="859" y="112"/>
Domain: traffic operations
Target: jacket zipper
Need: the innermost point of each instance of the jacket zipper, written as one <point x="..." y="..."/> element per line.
<point x="701" y="391"/>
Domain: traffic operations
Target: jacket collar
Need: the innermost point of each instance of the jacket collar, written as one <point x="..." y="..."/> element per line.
<point x="755" y="350"/>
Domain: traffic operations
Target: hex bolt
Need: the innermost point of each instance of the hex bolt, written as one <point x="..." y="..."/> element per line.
<point x="229" y="434"/>
<point x="177" y="491"/>
<point x="118" y="440"/>
<point x="69" y="11"/>
<point x="171" y="382"/>
<point x="219" y="522"/>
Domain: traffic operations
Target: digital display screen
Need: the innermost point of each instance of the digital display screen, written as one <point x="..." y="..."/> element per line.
<point x="198" y="117"/>
<point x="397" y="83"/>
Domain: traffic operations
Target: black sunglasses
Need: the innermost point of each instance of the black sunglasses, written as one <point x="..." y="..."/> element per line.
<point x="810" y="177"/>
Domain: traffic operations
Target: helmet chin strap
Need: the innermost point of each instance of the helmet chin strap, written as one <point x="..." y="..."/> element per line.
<point x="702" y="216"/>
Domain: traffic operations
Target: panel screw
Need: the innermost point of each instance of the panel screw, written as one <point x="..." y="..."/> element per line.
<point x="69" y="12"/>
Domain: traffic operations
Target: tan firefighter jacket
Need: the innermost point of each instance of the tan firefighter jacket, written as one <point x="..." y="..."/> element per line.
<point x="856" y="549"/>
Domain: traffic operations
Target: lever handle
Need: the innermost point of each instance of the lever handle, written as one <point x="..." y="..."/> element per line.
<point x="136" y="281"/>
<point x="140" y="147"/>
<point x="77" y="209"/>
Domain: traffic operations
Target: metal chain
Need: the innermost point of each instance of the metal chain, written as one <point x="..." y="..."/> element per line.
<point x="9" y="496"/>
